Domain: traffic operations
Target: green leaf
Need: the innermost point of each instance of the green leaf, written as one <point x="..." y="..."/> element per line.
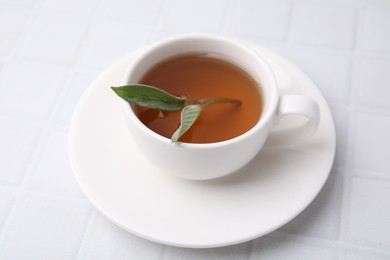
<point x="188" y="116"/>
<point x="148" y="96"/>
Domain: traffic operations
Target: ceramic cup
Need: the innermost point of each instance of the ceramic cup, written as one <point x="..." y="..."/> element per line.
<point x="214" y="160"/>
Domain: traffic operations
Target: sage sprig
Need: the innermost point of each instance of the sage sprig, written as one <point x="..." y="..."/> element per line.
<point x="188" y="116"/>
<point x="155" y="98"/>
<point x="150" y="97"/>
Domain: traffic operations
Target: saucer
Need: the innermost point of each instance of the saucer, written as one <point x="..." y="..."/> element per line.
<point x="139" y="197"/>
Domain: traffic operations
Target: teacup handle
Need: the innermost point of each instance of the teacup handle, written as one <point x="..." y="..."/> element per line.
<point x="295" y="105"/>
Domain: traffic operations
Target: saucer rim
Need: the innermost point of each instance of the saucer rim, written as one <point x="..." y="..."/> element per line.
<point x="257" y="48"/>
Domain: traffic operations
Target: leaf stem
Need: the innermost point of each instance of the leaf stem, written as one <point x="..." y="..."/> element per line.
<point x="208" y="101"/>
<point x="191" y="112"/>
<point x="155" y="98"/>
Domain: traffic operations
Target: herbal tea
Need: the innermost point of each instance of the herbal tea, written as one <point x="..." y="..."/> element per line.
<point x="197" y="76"/>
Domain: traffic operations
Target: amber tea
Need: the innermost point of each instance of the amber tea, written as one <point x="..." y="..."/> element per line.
<point x="196" y="76"/>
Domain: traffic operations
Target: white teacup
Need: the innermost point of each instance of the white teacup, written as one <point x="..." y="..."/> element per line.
<point x="214" y="160"/>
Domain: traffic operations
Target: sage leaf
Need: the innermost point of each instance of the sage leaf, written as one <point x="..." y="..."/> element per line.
<point x="150" y="97"/>
<point x="188" y="116"/>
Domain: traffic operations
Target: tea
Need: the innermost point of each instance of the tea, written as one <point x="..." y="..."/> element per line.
<point x="196" y="76"/>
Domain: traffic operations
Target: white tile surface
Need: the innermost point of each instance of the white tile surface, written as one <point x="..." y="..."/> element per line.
<point x="369" y="214"/>
<point x="74" y="88"/>
<point x="50" y="50"/>
<point x="11" y="23"/>
<point x="108" y="41"/>
<point x="19" y="3"/>
<point x="53" y="39"/>
<point x="322" y="218"/>
<point x="18" y="141"/>
<point x="240" y="251"/>
<point x="104" y="240"/>
<point x="76" y="7"/>
<point x="6" y="201"/>
<point x="285" y="247"/>
<point x="331" y="71"/>
<point x="193" y="15"/>
<point x="168" y="32"/>
<point x="371" y="174"/>
<point x="146" y="11"/>
<point x="356" y="255"/>
<point x="324" y="24"/>
<point x="373" y="31"/>
<point x="30" y="89"/>
<point x="38" y="222"/>
<point x="372" y="143"/>
<point x="341" y="120"/>
<point x="51" y="171"/>
<point x="266" y="19"/>
<point x="373" y="82"/>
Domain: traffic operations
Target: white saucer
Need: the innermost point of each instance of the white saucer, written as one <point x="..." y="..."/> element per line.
<point x="136" y="195"/>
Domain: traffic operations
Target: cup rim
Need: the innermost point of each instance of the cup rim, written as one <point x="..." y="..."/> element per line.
<point x="263" y="120"/>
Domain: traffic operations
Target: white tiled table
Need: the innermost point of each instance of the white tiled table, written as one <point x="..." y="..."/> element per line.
<point x="50" y="50"/>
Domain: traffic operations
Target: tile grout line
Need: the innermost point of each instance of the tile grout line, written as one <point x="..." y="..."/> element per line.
<point x="73" y="67"/>
<point x="87" y="230"/>
<point x="319" y="242"/>
<point x="289" y="42"/>
<point x="26" y="27"/>
<point x="45" y="124"/>
<point x="46" y="194"/>
<point x="22" y="187"/>
<point x="11" y="57"/>
<point x="331" y="243"/>
<point x="36" y="122"/>
<point x="356" y="6"/>
<point x="70" y="67"/>
<point x="42" y="137"/>
<point x="160" y="20"/>
<point x="12" y="52"/>
<point x="351" y="138"/>
<point x="222" y="27"/>
<point x="346" y="186"/>
<point x="165" y="254"/>
<point x="376" y="250"/>
<point x="381" y="177"/>
<point x="92" y="21"/>
<point x="346" y="189"/>
<point x="354" y="65"/>
<point x="346" y="195"/>
<point x="353" y="108"/>
<point x="6" y="187"/>
<point x="251" y="247"/>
